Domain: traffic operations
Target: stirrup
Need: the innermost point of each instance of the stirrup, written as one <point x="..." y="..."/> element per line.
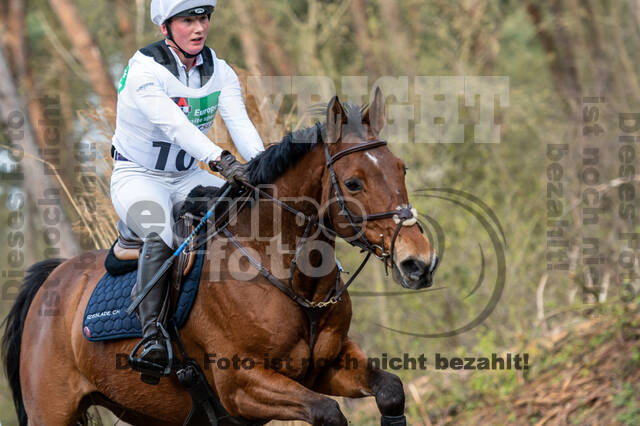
<point x="151" y="372"/>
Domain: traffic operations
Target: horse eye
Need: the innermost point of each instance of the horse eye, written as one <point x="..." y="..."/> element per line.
<point x="354" y="184"/>
<point x="404" y="170"/>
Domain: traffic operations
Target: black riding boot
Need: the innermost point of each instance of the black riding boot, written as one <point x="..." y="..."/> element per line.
<point x="154" y="356"/>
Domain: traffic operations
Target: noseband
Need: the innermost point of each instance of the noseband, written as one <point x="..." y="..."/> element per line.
<point x="403" y="215"/>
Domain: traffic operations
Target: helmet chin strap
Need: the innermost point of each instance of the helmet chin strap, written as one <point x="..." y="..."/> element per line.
<point x="170" y="37"/>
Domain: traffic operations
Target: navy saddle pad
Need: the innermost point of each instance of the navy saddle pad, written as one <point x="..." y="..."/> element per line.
<point x="105" y="317"/>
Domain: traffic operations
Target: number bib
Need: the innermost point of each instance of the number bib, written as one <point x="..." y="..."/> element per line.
<point x="201" y="112"/>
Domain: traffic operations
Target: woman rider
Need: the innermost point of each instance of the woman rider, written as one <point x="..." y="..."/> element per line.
<point x="167" y="100"/>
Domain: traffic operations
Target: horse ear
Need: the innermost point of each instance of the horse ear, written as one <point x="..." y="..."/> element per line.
<point x="374" y="115"/>
<point x="336" y="117"/>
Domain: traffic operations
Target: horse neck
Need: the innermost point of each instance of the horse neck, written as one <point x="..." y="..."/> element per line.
<point x="300" y="187"/>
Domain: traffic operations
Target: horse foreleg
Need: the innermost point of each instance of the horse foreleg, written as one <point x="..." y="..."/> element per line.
<point x="353" y="377"/>
<point x="268" y="395"/>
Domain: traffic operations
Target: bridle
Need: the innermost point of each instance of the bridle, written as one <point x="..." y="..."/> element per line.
<point x="403" y="215"/>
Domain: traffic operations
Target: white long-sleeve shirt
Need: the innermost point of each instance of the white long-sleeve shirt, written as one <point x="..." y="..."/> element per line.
<point x="162" y="121"/>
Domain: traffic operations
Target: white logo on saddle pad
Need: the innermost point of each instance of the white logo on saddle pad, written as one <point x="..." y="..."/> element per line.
<point x="103" y="314"/>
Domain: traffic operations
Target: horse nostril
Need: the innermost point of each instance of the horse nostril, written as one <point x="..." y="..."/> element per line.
<point x="413" y="268"/>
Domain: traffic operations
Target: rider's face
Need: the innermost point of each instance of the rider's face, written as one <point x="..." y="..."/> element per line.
<point x="190" y="32"/>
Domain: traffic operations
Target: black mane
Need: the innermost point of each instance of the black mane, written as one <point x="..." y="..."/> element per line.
<point x="273" y="162"/>
<point x="264" y="168"/>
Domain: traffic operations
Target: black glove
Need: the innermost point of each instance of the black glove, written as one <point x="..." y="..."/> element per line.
<point x="230" y="168"/>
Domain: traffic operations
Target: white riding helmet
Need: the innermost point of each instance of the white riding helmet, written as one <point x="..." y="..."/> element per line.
<point x="161" y="10"/>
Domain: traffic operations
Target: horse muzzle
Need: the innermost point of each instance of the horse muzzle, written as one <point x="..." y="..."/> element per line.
<point x="414" y="273"/>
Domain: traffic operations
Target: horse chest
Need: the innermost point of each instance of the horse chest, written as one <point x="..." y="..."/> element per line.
<point x="275" y="332"/>
<point x="301" y="362"/>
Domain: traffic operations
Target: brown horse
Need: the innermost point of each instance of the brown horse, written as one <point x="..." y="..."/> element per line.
<point x="56" y="373"/>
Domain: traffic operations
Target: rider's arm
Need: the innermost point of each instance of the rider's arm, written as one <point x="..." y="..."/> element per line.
<point x="233" y="112"/>
<point x="152" y="101"/>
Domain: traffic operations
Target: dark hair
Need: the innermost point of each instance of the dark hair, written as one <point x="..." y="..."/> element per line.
<point x="274" y="161"/>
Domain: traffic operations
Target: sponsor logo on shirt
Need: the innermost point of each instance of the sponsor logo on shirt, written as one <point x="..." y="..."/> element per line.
<point x="183" y="103"/>
<point x="123" y="79"/>
<point x="144" y="86"/>
<point x="200" y="111"/>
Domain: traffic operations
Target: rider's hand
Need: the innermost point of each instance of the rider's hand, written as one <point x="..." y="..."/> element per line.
<point x="230" y="168"/>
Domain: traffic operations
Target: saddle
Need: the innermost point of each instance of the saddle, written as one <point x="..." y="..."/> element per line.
<point x="105" y="313"/>
<point x="123" y="256"/>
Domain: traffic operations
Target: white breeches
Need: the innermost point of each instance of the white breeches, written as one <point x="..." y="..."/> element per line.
<point x="144" y="198"/>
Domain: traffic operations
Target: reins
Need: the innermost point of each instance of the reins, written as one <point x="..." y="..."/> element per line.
<point x="403" y="215"/>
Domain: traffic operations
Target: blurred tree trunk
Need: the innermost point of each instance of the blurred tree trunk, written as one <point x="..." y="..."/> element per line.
<point x="14" y="37"/>
<point x="13" y="17"/>
<point x="125" y="25"/>
<point x="363" y="37"/>
<point x="278" y="57"/>
<point x="604" y="78"/>
<point x="559" y="49"/>
<point x="399" y="46"/>
<point x="87" y="52"/>
<point x="256" y="100"/>
<point x="626" y="76"/>
<point x="482" y="45"/>
<point x="36" y="181"/>
<point x="32" y="94"/>
<point x="140" y="20"/>
<point x="248" y="38"/>
<point x="24" y="82"/>
<point x="4" y="10"/>
<point x="18" y="61"/>
<point x="66" y="106"/>
<point x="562" y="67"/>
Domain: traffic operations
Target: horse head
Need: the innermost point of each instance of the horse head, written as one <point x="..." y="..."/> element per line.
<point x="364" y="189"/>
